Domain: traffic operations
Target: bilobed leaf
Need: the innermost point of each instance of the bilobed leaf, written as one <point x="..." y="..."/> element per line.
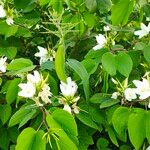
<point x="5" y="112"/>
<point x="124" y="63"/>
<point x="120" y="121"/>
<point x="29" y="139"/>
<point x="121" y="11"/>
<point x="109" y="63"/>
<point x="60" y="63"/>
<point x="12" y="90"/>
<point x="136" y="128"/>
<point x="81" y="71"/>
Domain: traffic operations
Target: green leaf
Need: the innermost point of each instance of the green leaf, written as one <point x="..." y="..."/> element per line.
<point x="136" y="128"/>
<point x="112" y="136"/>
<point x="22" y="4"/>
<point x="81" y="71"/>
<point x="109" y="63"/>
<point x="124" y="63"/>
<point x="60" y="63"/>
<point x="57" y="6"/>
<point x="109" y="102"/>
<point x="4" y="140"/>
<point x="29" y="139"/>
<point x="104" y="5"/>
<point x="5" y="112"/>
<point x="85" y="117"/>
<point x="22" y="116"/>
<point x="7" y="30"/>
<point x="121" y="11"/>
<point x="91" y="5"/>
<point x="99" y="98"/>
<point x="102" y="144"/>
<point x="20" y="63"/>
<point x="146" y="52"/>
<point x="66" y="121"/>
<point x="89" y="19"/>
<point x="64" y="141"/>
<point x="43" y="2"/>
<point x="120" y="121"/>
<point x="148" y="125"/>
<point x="9" y="52"/>
<point x="12" y="91"/>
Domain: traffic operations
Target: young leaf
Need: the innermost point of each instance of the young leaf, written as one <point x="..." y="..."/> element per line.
<point x="81" y="71"/>
<point x="29" y="139"/>
<point x="109" y="63"/>
<point x="60" y="63"/>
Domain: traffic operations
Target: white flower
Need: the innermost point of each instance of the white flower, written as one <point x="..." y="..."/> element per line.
<point x="2" y="12"/>
<point x="101" y="40"/>
<point x="28" y="90"/>
<point x="148" y="148"/>
<point x="149" y="104"/>
<point x="3" y="64"/>
<point x="130" y="94"/>
<point x="114" y="95"/>
<point x="45" y="94"/>
<point x="69" y="88"/>
<point x="67" y="108"/>
<point x="143" y="88"/>
<point x="44" y="55"/>
<point x="106" y="28"/>
<point x="144" y="30"/>
<point x="34" y="79"/>
<point x="9" y="21"/>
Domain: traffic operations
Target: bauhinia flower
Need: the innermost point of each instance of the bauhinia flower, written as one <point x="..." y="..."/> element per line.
<point x="106" y="28"/>
<point x="144" y="30"/>
<point x="69" y="88"/>
<point x="148" y="148"/>
<point x="2" y="12"/>
<point x="45" y="54"/>
<point x="8" y="15"/>
<point x="130" y="94"/>
<point x="45" y="94"/>
<point x="3" y="64"/>
<point x="9" y="21"/>
<point x="68" y="99"/>
<point x="115" y="95"/>
<point x="101" y="40"/>
<point x="36" y="89"/>
<point x="142" y="88"/>
<point x="28" y="90"/>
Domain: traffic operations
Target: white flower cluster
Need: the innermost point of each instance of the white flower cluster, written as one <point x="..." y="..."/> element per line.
<point x="45" y="54"/>
<point x="144" y="30"/>
<point x="36" y="89"/>
<point x="3" y="64"/>
<point x="3" y="14"/>
<point x="142" y="91"/>
<point x="68" y="98"/>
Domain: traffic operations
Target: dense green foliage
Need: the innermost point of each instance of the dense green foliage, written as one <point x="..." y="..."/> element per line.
<point x="117" y="60"/>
